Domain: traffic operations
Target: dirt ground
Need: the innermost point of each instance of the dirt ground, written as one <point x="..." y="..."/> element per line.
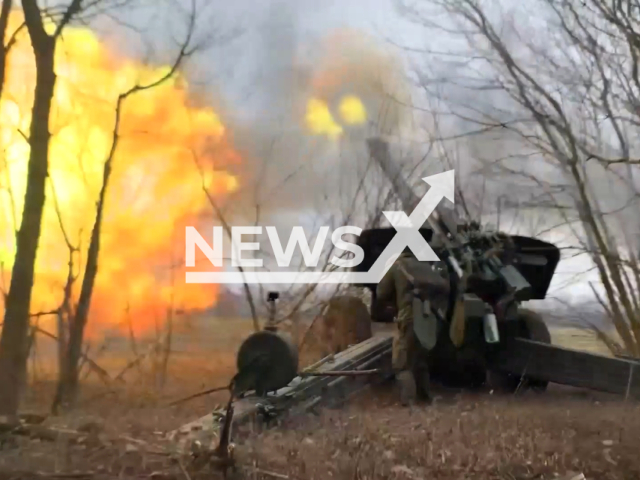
<point x="120" y="432"/>
<point x="460" y="436"/>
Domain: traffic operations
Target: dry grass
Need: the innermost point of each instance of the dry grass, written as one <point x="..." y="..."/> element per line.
<point x="202" y="358"/>
<point x="464" y="437"/>
<point x="460" y="437"/>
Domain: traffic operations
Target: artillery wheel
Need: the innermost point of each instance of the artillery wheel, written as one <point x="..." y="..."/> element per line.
<point x="532" y="327"/>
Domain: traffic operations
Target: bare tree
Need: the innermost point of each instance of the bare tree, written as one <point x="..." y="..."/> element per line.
<point x="67" y="390"/>
<point x="14" y="340"/>
<point x="567" y="99"/>
<point x="64" y="313"/>
<point x="222" y="217"/>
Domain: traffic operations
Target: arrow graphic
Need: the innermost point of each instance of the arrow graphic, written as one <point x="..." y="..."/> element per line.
<point x="408" y="227"/>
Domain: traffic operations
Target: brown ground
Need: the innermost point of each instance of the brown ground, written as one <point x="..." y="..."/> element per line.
<point x="467" y="438"/>
<point x="470" y="436"/>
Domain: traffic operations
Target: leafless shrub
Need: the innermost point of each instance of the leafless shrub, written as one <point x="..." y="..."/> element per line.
<point x="562" y="102"/>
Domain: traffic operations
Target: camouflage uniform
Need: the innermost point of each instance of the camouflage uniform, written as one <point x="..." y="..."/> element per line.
<point x="398" y="287"/>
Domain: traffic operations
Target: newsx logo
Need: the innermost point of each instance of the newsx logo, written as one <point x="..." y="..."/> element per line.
<point x="283" y="256"/>
<point x="407" y="235"/>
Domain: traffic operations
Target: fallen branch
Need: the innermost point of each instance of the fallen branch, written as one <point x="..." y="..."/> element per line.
<point x="47" y="433"/>
<point x="199" y="394"/>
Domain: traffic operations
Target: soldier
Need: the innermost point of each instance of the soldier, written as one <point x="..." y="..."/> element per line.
<point x="401" y="285"/>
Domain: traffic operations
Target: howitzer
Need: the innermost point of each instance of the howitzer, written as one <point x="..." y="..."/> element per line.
<point x="503" y="267"/>
<point x="486" y="272"/>
<point x="490" y="274"/>
<point x="485" y="286"/>
<point x="508" y="270"/>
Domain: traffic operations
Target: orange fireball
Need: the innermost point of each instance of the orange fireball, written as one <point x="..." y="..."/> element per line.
<point x="155" y="188"/>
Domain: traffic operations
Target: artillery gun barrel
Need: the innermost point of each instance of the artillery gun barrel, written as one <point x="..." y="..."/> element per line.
<point x="441" y="221"/>
<point x="379" y="151"/>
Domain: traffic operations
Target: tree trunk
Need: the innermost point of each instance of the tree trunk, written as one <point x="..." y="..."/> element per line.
<point x="68" y="384"/>
<point x="67" y="389"/>
<point x="15" y="333"/>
